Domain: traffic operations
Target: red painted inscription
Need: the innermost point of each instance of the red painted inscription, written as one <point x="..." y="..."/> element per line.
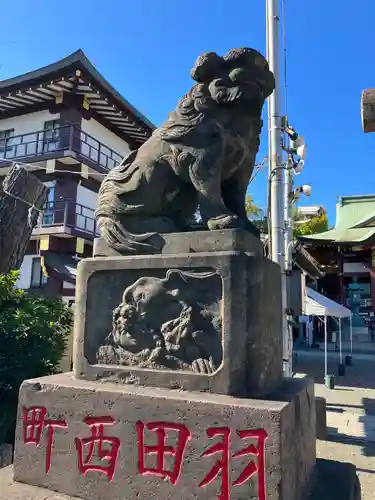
<point x="99" y="452"/>
<point x="222" y="466"/>
<point x="161" y="449"/>
<point x="34" y="421"/>
<point x="106" y="448"/>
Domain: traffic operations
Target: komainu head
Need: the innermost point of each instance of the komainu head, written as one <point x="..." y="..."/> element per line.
<point x="241" y="75"/>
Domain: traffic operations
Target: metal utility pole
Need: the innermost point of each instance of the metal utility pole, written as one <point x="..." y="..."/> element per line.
<point x="288" y="215"/>
<point x="276" y="166"/>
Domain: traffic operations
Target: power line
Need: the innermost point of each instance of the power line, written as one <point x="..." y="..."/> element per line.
<point x="283" y="25"/>
<point x="38" y="167"/>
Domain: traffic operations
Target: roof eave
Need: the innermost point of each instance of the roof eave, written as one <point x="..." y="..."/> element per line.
<point x="77" y="60"/>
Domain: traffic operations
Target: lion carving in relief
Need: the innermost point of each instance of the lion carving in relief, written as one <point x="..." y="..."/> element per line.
<point x="203" y="155"/>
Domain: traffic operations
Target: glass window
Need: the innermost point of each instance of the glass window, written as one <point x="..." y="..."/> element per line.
<point x="49" y="206"/>
<point x="51" y="135"/>
<point x="38" y="279"/>
<point x="5" y="139"/>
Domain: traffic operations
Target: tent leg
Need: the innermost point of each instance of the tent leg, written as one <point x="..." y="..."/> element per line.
<point x="325" y="347"/>
<point x="341" y="365"/>
<point x="348" y="359"/>
<point x="328" y="379"/>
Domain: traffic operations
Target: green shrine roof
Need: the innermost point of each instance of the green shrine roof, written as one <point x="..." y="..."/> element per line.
<point x="355" y="222"/>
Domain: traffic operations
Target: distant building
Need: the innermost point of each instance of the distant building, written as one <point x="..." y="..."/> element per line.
<point x="304" y="214"/>
<point x="346" y="253"/>
<point x="71" y="126"/>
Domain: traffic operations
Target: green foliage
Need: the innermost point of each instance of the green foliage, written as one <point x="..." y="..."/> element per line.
<point x="316" y="225"/>
<point x="33" y="336"/>
<point x="252" y="210"/>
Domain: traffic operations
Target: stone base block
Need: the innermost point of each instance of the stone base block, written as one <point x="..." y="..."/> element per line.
<point x="321" y="417"/>
<point x="98" y="442"/>
<point x="181" y="312"/>
<point x="225" y="240"/>
<point x="327" y="475"/>
<point x="334" y="481"/>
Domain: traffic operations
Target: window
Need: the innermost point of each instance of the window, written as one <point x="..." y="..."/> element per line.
<point x="48" y="211"/>
<point x="5" y="140"/>
<point x="51" y="135"/>
<point x="38" y="279"/>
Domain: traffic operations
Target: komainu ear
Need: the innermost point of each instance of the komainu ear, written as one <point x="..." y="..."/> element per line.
<point x="207" y="67"/>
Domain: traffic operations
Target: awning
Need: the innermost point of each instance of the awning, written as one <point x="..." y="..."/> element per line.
<point x="318" y="305"/>
<point x="61" y="265"/>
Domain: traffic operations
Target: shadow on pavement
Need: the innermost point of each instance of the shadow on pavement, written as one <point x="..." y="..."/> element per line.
<point x="369" y="426"/>
<point x="361" y="374"/>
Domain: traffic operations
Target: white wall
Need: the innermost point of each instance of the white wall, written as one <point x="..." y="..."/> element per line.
<point x="25" y="272"/>
<point x="85" y="216"/>
<point x="86" y="197"/>
<point x="105" y="136"/>
<point x="24" y="124"/>
<point x="28" y="123"/>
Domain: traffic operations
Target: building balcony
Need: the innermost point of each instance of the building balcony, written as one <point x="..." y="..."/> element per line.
<point x="67" y="141"/>
<point x="67" y="219"/>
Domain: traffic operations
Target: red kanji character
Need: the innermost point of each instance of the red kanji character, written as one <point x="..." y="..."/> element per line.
<point x="109" y="454"/>
<point x="161" y="449"/>
<point x="34" y="420"/>
<point x="222" y="465"/>
<point x="33" y="423"/>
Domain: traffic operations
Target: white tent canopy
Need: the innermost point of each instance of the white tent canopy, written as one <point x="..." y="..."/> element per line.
<point x="319" y="305"/>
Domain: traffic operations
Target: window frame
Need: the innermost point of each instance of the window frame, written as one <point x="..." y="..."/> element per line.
<point x="51" y="126"/>
<point x="7" y="143"/>
<point x="41" y="282"/>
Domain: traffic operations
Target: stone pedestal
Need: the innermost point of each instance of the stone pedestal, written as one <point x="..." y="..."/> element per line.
<point x="177" y="390"/>
<point x="241" y="289"/>
<point x="119" y="441"/>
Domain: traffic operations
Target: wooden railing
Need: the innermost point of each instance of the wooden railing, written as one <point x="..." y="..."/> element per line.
<point x="70" y="214"/>
<point x="65" y="138"/>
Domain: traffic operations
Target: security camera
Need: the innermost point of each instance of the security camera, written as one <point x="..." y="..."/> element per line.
<point x="293" y="136"/>
<point x="298" y="166"/>
<point x="305" y="189"/>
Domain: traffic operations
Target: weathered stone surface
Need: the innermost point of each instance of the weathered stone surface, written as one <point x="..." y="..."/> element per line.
<point x="223" y="328"/>
<point x="204" y="155"/>
<point x="327" y="475"/>
<point x="289" y="456"/>
<point x="226" y="240"/>
<point x="300" y="430"/>
<point x="321" y="418"/>
<point x="334" y="481"/>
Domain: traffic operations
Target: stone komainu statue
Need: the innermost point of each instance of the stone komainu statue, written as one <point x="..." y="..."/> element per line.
<point x="204" y="155"/>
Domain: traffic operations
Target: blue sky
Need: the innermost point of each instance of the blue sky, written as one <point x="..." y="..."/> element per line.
<point x="146" y="49"/>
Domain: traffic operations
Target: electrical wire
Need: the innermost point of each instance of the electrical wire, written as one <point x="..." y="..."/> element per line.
<point x="283" y="27"/>
<point x="38" y="167"/>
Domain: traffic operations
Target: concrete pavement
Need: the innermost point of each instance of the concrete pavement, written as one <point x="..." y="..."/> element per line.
<point x="350" y="412"/>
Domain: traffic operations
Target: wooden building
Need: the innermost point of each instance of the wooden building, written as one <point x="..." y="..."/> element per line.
<point x="70" y="127"/>
<point x="347" y="255"/>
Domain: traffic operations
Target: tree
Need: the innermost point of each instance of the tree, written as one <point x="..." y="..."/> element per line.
<point x="253" y="211"/>
<point x="22" y="196"/>
<point x="33" y="335"/>
<point x="315" y="225"/>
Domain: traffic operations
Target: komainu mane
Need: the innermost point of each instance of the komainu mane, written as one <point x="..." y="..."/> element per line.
<point x="204" y="155"/>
